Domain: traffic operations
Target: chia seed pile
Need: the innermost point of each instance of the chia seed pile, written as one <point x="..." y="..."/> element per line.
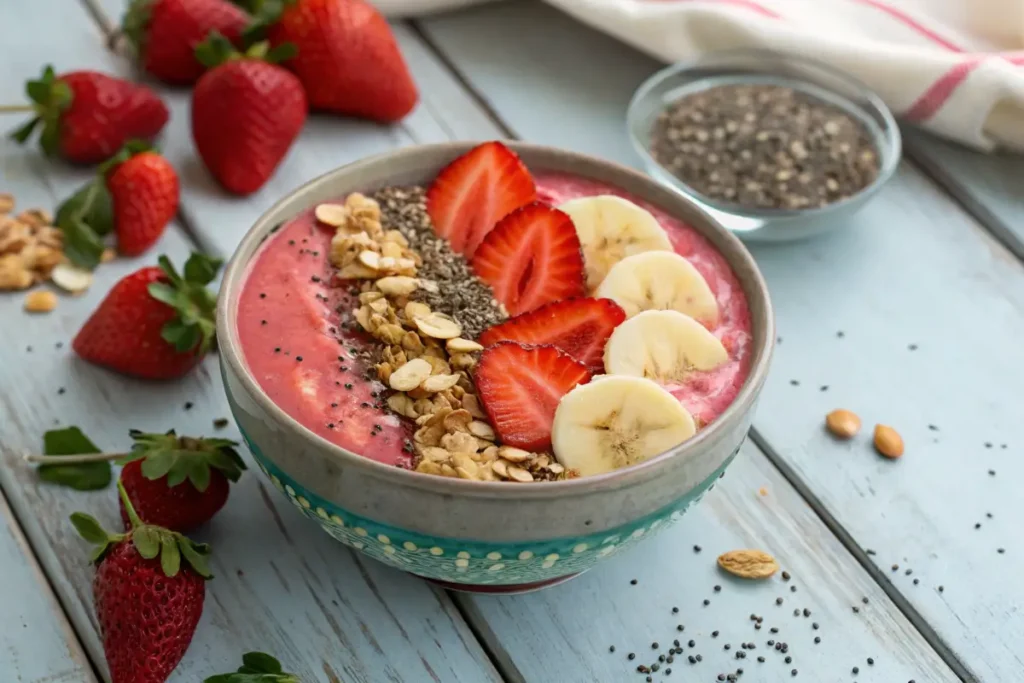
<point x="461" y="294"/>
<point x="764" y="147"/>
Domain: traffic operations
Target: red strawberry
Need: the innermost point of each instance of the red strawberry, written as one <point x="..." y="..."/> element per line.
<point x="531" y="258"/>
<point x="580" y="327"/>
<point x="246" y="112"/>
<point x="165" y="33"/>
<point x="144" y="191"/>
<point x="154" y="323"/>
<point x="348" y="59"/>
<point x="520" y="387"/>
<point x="178" y="482"/>
<point x="471" y="194"/>
<point x="147" y="607"/>
<point x="87" y="116"/>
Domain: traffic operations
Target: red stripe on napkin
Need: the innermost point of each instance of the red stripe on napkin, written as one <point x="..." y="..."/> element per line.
<point x="934" y="97"/>
<point x="911" y="23"/>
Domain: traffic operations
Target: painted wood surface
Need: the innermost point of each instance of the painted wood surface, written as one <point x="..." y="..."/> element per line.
<point x="527" y="653"/>
<point x="36" y="641"/>
<point x="282" y="584"/>
<point x="991" y="187"/>
<point x="909" y="314"/>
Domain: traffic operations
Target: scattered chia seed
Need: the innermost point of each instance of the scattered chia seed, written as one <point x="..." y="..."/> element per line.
<point x="786" y="576"/>
<point x="718" y="589"/>
<point x="632" y="582"/>
<point x="61" y="391"/>
<point x="188" y="405"/>
<point x="696" y="548"/>
<point x="220" y="423"/>
<point x="706" y="602"/>
<point x="461" y="294"/>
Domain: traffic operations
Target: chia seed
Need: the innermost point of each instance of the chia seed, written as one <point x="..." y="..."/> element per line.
<point x="461" y="294"/>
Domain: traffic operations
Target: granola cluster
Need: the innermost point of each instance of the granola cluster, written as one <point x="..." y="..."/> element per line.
<point x="425" y="360"/>
<point x="30" y="247"/>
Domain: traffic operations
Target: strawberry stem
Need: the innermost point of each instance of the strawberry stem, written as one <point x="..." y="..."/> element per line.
<point x="133" y="516"/>
<point x="16" y="108"/>
<point x="73" y="459"/>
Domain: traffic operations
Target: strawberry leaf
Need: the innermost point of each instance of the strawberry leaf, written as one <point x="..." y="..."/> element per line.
<point x="194" y="328"/>
<point x="82" y="245"/>
<point x="92" y="531"/>
<point x="257" y="667"/>
<point x="92" y="205"/>
<point x="81" y="476"/>
<point x="184" y="458"/>
<point x="215" y="50"/>
<point x="196" y="555"/>
<point x="136" y="20"/>
<point x="260" y="663"/>
<point x="170" y="557"/>
<point x="50" y="97"/>
<point x="22" y="133"/>
<point x="147" y="541"/>
<point x="201" y="269"/>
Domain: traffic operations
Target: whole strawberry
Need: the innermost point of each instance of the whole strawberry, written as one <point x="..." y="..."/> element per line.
<point x="148" y="601"/>
<point x="246" y="112"/>
<point x="178" y="482"/>
<point x="144" y="193"/>
<point x="348" y="59"/>
<point x="165" y="34"/>
<point x="257" y="667"/>
<point x="86" y="116"/>
<point x="154" y="323"/>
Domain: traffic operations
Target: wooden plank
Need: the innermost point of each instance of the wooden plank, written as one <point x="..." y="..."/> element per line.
<point x="990" y="186"/>
<point x="283" y="586"/>
<point x="36" y="641"/>
<point x="910" y="315"/>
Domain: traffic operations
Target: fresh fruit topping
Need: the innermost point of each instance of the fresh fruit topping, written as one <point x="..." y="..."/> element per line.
<point x="147" y="608"/>
<point x="257" y="667"/>
<point x="246" y="112"/>
<point x="83" y="476"/>
<point x="178" y="482"/>
<point x="154" y="323"/>
<point x="579" y="327"/>
<point x="531" y="258"/>
<point x="615" y="422"/>
<point x="144" y="190"/>
<point x="471" y="194"/>
<point x="660" y="280"/>
<point x="86" y="116"/>
<point x="165" y="33"/>
<point x="665" y="346"/>
<point x="611" y="228"/>
<point x="520" y="388"/>
<point x="348" y="59"/>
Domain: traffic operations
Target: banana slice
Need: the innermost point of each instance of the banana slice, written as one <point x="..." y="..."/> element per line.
<point x="611" y="228"/>
<point x="664" y="346"/>
<point x="660" y="280"/>
<point x="616" y="422"/>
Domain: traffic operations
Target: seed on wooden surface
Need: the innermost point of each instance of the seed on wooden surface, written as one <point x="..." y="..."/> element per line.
<point x="748" y="564"/>
<point x="843" y="424"/>
<point x="888" y="442"/>
<point x="40" y="301"/>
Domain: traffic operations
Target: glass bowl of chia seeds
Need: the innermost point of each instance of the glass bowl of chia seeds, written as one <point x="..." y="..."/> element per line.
<point x="774" y="147"/>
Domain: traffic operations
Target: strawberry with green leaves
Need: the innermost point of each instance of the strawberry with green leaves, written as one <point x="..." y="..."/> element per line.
<point x="86" y="116"/>
<point x="149" y="589"/>
<point x="178" y="482"/>
<point x="154" y="323"/>
<point x="257" y="667"/>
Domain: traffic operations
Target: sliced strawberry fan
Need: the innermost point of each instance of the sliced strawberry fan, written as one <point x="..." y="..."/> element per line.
<point x="532" y="257"/>
<point x="579" y="327"/>
<point x="520" y="388"/>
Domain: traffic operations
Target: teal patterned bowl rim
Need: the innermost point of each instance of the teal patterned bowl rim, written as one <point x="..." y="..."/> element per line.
<point x="405" y="161"/>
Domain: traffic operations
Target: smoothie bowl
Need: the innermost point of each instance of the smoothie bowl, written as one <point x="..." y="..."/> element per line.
<point x="488" y="365"/>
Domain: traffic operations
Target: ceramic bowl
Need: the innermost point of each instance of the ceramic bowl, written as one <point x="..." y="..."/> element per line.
<point x="473" y="535"/>
<point x="764" y="67"/>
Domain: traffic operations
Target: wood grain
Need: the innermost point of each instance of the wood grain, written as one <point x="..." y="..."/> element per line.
<point x="990" y="186"/>
<point x="36" y="641"/>
<point x="909" y="314"/>
<point x="282" y="585"/>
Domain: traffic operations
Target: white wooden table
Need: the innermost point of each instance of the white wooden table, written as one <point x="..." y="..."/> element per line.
<point x="912" y="315"/>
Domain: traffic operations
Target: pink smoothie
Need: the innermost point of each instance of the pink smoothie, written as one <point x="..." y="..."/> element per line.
<point x="303" y="352"/>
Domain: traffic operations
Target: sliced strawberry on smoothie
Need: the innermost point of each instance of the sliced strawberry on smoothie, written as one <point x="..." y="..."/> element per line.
<point x="471" y="194"/>
<point x="580" y="327"/>
<point x="531" y="258"/>
<point x="520" y="387"/>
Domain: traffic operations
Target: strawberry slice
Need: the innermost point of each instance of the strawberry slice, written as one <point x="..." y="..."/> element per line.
<point x="580" y="327"/>
<point x="532" y="257"/>
<point x="520" y="387"/>
<point x="471" y="194"/>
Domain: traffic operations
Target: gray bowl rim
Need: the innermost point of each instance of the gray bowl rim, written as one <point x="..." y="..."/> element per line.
<point x="653" y="192"/>
<point x="892" y="153"/>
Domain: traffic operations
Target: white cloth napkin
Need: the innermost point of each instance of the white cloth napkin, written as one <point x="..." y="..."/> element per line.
<point x="954" y="67"/>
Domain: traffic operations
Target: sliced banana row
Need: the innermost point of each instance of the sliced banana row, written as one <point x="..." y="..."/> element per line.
<point x="664" y="346"/>
<point x="615" y="422"/>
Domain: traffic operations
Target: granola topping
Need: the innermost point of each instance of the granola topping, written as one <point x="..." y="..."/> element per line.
<point x="30" y="246"/>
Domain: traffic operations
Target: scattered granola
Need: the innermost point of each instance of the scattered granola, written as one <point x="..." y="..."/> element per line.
<point x="424" y="354"/>
<point x="748" y="564"/>
<point x="40" y="301"/>
<point x="30" y="247"/>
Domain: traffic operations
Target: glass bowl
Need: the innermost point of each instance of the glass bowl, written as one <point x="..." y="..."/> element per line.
<point x="763" y="67"/>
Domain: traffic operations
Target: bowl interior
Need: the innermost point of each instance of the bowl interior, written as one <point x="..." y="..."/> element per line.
<point x="760" y="67"/>
<point x="419" y="165"/>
